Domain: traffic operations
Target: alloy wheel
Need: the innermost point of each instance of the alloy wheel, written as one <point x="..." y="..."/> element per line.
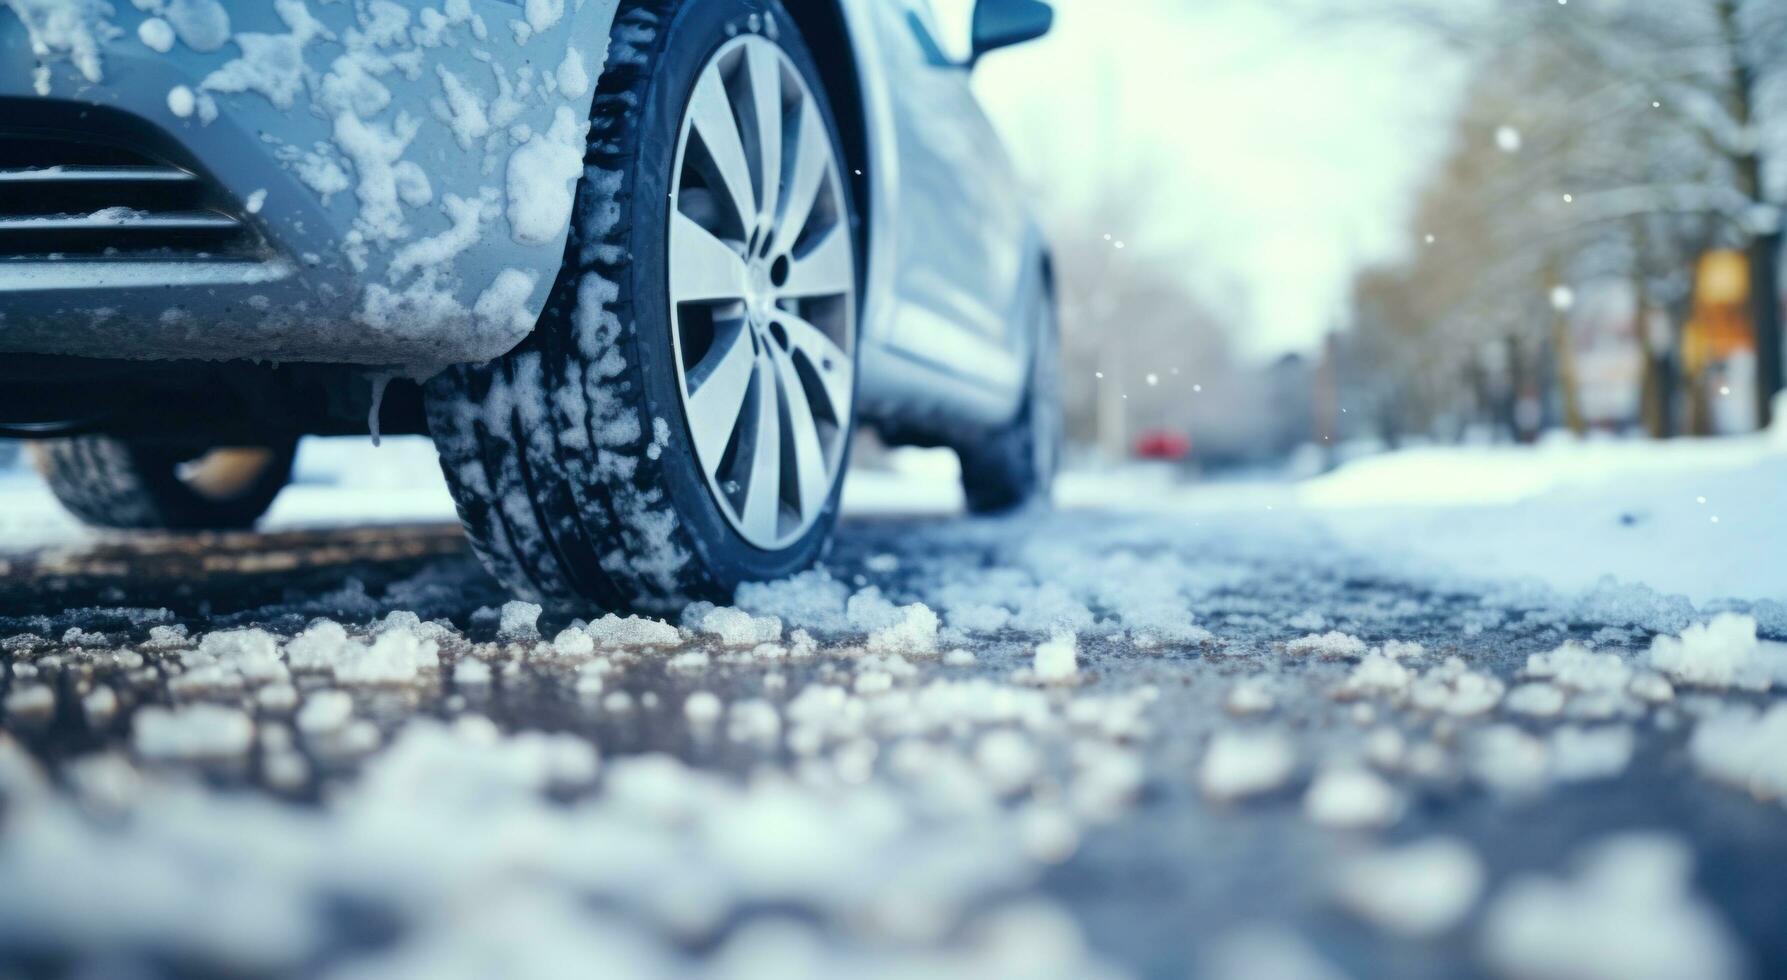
<point x="762" y="280"/>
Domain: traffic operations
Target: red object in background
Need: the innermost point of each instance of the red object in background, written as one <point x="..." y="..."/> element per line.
<point x="1162" y="444"/>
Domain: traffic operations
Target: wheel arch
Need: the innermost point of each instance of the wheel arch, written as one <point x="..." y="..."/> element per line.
<point x="822" y="23"/>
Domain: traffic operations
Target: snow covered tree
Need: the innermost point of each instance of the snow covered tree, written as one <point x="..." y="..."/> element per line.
<point x="1601" y="139"/>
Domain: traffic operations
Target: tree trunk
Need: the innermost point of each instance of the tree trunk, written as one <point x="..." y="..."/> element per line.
<point x="1650" y="378"/>
<point x="1765" y="316"/>
<point x="1765" y="248"/>
<point x="1563" y="360"/>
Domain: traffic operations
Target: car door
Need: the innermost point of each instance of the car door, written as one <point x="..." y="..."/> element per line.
<point x="961" y="224"/>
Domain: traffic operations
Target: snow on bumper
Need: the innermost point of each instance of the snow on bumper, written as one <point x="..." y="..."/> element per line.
<point x="362" y="184"/>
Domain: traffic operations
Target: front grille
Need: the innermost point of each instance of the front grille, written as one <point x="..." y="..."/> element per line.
<point x="64" y="196"/>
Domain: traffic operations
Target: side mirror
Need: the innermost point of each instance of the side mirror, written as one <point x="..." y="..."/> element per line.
<point x="1002" y="23"/>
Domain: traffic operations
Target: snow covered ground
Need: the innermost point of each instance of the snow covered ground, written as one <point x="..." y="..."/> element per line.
<point x="1385" y="722"/>
<point x="1699" y="518"/>
<point x="1695" y="518"/>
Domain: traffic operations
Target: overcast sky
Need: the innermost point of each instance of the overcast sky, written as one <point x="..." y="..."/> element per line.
<point x="1274" y="153"/>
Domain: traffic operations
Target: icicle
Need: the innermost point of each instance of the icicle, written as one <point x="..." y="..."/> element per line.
<point x="379" y="381"/>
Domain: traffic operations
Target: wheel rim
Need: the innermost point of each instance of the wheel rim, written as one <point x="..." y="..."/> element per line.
<point x="762" y="279"/>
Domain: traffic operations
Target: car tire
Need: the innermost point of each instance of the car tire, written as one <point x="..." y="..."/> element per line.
<point x="573" y="460"/>
<point x="113" y="483"/>
<point x="1013" y="467"/>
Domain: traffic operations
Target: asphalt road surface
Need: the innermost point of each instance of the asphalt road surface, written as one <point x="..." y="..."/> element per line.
<point x="1154" y="745"/>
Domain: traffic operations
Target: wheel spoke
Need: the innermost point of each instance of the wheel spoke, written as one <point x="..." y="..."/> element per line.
<point x="716" y="401"/>
<point x="828" y="360"/>
<point x="702" y="267"/>
<point x="763" y="501"/>
<point x="711" y="112"/>
<point x="811" y="474"/>
<point x="825" y="270"/>
<point x="812" y="157"/>
<point x="766" y="96"/>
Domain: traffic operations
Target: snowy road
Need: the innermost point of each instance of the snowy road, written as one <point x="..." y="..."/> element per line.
<point x="1219" y="740"/>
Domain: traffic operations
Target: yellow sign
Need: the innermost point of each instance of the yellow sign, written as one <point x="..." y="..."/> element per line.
<point x="1721" y="323"/>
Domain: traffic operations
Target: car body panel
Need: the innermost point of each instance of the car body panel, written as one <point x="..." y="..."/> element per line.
<point x="393" y="233"/>
<point x="951" y="241"/>
<point x="385" y="225"/>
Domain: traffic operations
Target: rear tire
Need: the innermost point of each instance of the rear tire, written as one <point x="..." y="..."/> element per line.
<point x="112" y="483"/>
<point x="1013" y="467"/>
<point x="575" y="466"/>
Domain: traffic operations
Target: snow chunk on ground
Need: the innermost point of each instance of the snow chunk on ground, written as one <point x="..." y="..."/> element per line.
<point x="1266" y="952"/>
<point x="199" y="731"/>
<point x="1415" y="891"/>
<point x="1452" y="688"/>
<point x="1240" y="764"/>
<point x="1249" y="697"/>
<point x="1377" y="675"/>
<point x="519" y="621"/>
<point x="613" y="632"/>
<point x="471" y="673"/>
<point x="100" y="705"/>
<point x="1008" y="759"/>
<point x="1721" y="653"/>
<point x="325" y="712"/>
<point x="573" y="643"/>
<point x="703" y="708"/>
<point x="1352" y="799"/>
<point x="1402" y="650"/>
<point x="1580" y="754"/>
<point x="1333" y="645"/>
<point x="318" y="647"/>
<point x="1509" y="759"/>
<point x="914" y="632"/>
<point x="869" y="610"/>
<point x="1578" y="668"/>
<point x="230" y="658"/>
<point x="1057" y="660"/>
<point x="812" y="599"/>
<point x="1628" y="915"/>
<point x="1538" y="700"/>
<point x="737" y="628"/>
<point x="1744" y="749"/>
<point x="34" y="702"/>
<point x="396" y="655"/>
<point x="252" y="651"/>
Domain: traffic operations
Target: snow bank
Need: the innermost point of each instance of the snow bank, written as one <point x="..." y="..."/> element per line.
<point x="1691" y="517"/>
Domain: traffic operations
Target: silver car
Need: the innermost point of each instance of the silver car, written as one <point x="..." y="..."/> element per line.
<point x="639" y="267"/>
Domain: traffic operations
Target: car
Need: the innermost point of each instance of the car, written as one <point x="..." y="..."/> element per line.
<point x="640" y="268"/>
